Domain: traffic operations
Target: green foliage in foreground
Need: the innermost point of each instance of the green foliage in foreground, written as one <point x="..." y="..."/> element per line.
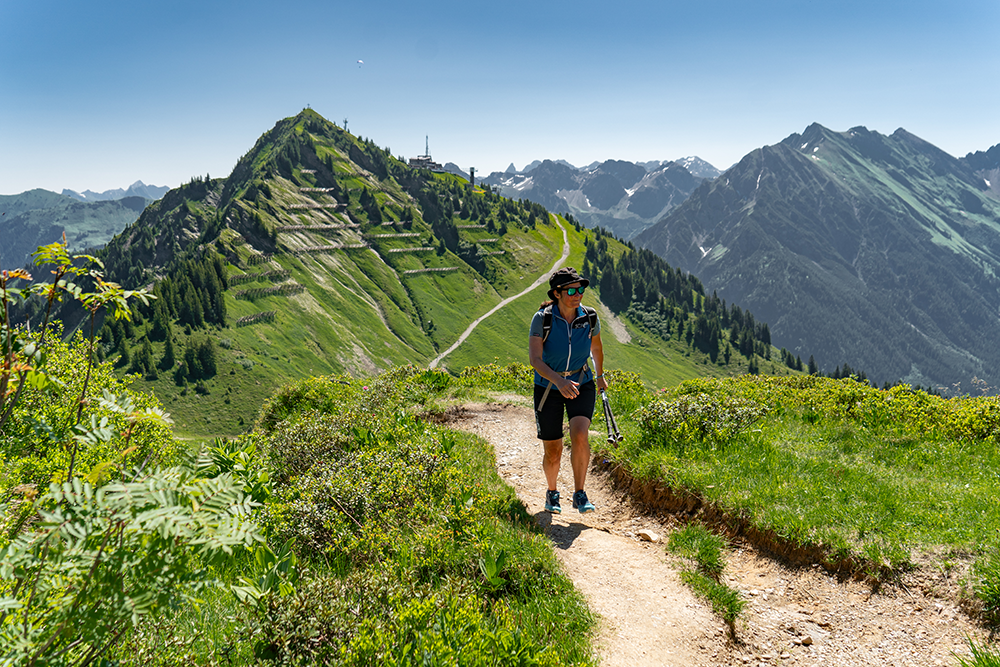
<point x="864" y="473"/>
<point x="406" y="547"/>
<point x="981" y="656"/>
<point x="100" y="559"/>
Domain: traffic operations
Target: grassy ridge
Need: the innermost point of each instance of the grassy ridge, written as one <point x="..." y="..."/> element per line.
<point x="880" y="478"/>
<point x="314" y="213"/>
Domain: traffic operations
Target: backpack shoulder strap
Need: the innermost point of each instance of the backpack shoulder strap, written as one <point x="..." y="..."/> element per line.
<point x="592" y="317"/>
<point x="546" y="321"/>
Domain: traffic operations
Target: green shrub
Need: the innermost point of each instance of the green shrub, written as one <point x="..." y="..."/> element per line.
<point x="357" y="503"/>
<point x="100" y="559"/>
<point x="512" y="377"/>
<point x="698" y="420"/>
<point x="325" y="394"/>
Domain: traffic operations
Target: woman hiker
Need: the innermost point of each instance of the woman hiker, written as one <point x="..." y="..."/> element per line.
<point x="562" y="337"/>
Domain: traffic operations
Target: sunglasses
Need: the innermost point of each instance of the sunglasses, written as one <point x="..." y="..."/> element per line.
<point x="572" y="291"/>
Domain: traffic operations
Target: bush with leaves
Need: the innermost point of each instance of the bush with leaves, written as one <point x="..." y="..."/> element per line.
<point x="698" y="420"/>
<point x="101" y="558"/>
<point x="355" y="499"/>
<point x="61" y="414"/>
<point x="118" y="428"/>
<point x="94" y="559"/>
<point x="402" y="533"/>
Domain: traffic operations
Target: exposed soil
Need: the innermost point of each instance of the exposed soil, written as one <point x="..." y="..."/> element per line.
<point x="797" y="615"/>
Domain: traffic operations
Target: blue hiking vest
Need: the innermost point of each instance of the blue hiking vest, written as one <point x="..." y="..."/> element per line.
<point x="565" y="345"/>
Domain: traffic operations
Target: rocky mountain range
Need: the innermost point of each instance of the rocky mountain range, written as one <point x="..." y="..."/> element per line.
<point x="137" y="189"/>
<point x="879" y="251"/>
<point x="623" y="197"/>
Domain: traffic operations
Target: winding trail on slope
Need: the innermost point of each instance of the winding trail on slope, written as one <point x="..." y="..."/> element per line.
<point x="541" y="280"/>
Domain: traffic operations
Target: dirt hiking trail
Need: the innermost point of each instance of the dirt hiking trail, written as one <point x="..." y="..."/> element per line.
<point x="794" y="616"/>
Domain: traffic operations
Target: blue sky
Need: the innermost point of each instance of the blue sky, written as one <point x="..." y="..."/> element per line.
<point x="98" y="95"/>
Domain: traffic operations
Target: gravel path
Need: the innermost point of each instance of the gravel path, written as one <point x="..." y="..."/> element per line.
<point x="795" y="616"/>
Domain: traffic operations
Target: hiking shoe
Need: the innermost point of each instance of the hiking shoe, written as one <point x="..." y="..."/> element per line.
<point x="581" y="503"/>
<point x="552" y="502"/>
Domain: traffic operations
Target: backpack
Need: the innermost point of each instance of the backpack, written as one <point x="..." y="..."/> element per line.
<point x="547" y="320"/>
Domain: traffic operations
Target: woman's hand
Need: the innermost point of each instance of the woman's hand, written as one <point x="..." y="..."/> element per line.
<point x="568" y="388"/>
<point x="601" y="383"/>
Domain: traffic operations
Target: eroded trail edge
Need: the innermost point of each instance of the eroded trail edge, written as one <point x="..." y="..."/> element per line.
<point x="795" y="615"/>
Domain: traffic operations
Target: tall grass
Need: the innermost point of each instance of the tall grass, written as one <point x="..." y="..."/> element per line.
<point x="860" y="472"/>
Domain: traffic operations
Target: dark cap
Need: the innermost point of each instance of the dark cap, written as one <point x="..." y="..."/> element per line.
<point x="565" y="276"/>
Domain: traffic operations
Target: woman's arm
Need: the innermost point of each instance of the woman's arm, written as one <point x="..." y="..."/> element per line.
<point x="566" y="387"/>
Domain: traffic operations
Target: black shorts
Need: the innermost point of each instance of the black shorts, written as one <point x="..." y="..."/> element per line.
<point x="549" y="421"/>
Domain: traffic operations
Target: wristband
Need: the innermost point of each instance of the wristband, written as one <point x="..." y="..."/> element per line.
<point x="598" y="377"/>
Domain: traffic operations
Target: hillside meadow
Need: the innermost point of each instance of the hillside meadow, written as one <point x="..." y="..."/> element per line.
<point x="347" y="527"/>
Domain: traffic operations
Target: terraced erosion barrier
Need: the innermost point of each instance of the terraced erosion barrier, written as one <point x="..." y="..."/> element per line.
<point x="266" y="316"/>
<point x="444" y="268"/>
<point x="240" y="278"/>
<point x="327" y="248"/>
<point x="321" y="229"/>
<point x="258" y="259"/>
<point x="286" y="289"/>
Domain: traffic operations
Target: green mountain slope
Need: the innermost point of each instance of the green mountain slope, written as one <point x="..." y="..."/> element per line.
<point x="321" y="253"/>
<point x="879" y="251"/>
<point x="38" y="217"/>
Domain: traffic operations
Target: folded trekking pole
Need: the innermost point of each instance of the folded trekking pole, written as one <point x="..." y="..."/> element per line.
<point x="614" y="437"/>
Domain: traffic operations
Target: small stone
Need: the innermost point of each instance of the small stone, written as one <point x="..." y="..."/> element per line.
<point x="807" y="640"/>
<point x="649" y="535"/>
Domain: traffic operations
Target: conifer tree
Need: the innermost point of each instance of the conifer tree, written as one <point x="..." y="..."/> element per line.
<point x="142" y="360"/>
<point x="168" y="360"/>
<point x="125" y="357"/>
<point x="191" y="364"/>
<point x="207" y="358"/>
